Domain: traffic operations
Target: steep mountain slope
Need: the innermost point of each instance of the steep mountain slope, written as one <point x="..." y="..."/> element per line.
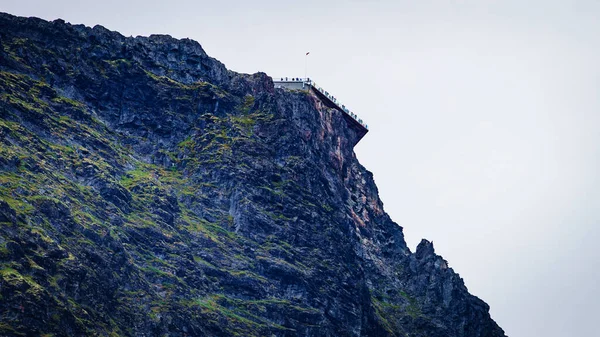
<point x="146" y="190"/>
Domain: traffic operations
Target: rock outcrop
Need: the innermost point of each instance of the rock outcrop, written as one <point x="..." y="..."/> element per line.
<point x="146" y="190"/>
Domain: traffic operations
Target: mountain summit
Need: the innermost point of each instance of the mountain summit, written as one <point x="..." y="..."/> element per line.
<point x="146" y="190"/>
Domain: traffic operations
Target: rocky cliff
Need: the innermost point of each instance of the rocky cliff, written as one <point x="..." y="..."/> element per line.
<point x="146" y="190"/>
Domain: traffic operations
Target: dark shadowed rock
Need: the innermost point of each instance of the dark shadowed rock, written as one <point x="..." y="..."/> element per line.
<point x="7" y="214"/>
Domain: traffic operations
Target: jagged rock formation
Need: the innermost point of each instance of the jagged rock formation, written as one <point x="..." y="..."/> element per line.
<point x="146" y="190"/>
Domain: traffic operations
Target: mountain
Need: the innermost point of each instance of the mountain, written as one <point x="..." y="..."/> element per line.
<point x="146" y="190"/>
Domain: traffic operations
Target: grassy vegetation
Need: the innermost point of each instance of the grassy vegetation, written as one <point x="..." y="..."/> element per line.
<point x="243" y="317"/>
<point x="65" y="171"/>
<point x="412" y="308"/>
<point x="68" y="101"/>
<point x="15" y="279"/>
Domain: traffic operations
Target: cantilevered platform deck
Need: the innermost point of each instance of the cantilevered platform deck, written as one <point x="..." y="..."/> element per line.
<point x="296" y="83"/>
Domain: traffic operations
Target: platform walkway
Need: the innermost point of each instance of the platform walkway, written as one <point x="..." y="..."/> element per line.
<point x="298" y="83"/>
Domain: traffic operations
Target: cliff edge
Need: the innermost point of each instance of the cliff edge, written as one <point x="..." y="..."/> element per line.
<point x="146" y="190"/>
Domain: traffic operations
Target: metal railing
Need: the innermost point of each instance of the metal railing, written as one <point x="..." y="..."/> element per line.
<point x="332" y="98"/>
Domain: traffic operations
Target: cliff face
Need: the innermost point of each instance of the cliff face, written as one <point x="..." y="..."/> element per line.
<point x="147" y="190"/>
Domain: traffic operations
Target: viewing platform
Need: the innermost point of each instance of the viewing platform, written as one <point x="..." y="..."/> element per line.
<point x="298" y="83"/>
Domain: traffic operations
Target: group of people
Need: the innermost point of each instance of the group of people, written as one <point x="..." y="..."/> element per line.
<point x="334" y="100"/>
<point x="295" y="79"/>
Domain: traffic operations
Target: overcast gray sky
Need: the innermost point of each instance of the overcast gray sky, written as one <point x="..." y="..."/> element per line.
<point x="484" y="118"/>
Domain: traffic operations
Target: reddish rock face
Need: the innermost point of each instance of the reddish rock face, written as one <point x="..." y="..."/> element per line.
<point x="147" y="190"/>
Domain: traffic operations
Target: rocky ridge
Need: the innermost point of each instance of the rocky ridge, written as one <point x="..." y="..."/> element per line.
<point x="147" y="190"/>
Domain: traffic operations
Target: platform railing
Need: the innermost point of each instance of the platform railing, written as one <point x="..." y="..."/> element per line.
<point x="324" y="92"/>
